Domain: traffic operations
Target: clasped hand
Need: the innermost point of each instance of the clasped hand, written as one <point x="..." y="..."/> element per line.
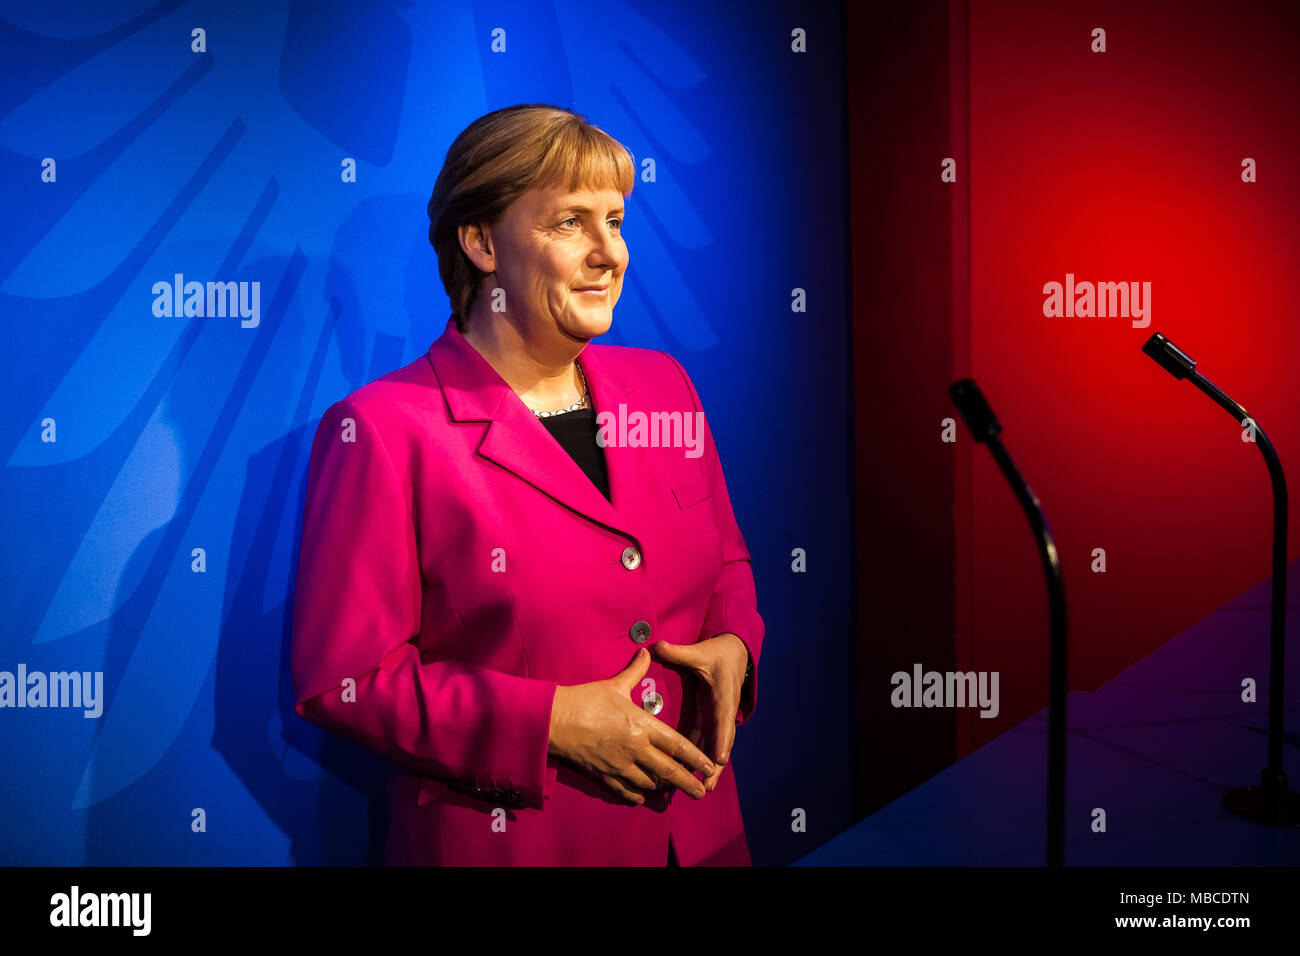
<point x="596" y="725"/>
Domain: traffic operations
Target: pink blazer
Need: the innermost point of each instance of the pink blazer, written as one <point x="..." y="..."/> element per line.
<point x="457" y="565"/>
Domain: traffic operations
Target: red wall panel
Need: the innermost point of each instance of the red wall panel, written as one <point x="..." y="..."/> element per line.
<point x="1115" y="166"/>
<point x="1126" y="166"/>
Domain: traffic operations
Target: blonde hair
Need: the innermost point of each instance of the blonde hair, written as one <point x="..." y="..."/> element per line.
<point x="499" y="157"/>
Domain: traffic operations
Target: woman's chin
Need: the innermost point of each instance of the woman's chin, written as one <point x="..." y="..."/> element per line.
<point x="590" y="325"/>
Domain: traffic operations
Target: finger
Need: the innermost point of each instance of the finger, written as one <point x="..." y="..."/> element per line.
<point x="630" y="676"/>
<point x="688" y="654"/>
<point x="724" y="722"/>
<point x="669" y="772"/>
<point x="629" y="795"/>
<point x="722" y="731"/>
<point x="711" y="783"/>
<point x="637" y="779"/>
<point x="712" y="739"/>
<point x="670" y="742"/>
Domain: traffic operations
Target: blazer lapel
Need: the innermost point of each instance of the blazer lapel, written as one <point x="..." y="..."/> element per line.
<point x="516" y="440"/>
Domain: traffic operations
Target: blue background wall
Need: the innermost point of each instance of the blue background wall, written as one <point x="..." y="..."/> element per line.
<point x="182" y="433"/>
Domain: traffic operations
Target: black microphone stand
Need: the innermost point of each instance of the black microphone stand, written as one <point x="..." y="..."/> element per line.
<point x="985" y="428"/>
<point x="1271" y="803"/>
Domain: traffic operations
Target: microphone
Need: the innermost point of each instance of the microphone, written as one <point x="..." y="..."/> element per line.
<point x="986" y="429"/>
<point x="1171" y="359"/>
<point x="975" y="411"/>
<point x="1272" y="803"/>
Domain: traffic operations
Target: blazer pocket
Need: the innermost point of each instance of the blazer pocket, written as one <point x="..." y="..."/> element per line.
<point x="692" y="491"/>
<point x="432" y="788"/>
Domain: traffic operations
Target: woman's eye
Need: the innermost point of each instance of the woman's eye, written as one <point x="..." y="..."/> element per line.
<point x="618" y="223"/>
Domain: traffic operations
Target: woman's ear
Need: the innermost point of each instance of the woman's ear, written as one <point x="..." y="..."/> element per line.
<point x="476" y="241"/>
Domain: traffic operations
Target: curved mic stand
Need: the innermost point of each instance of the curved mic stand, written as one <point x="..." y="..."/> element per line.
<point x="1271" y="803"/>
<point x="985" y="428"/>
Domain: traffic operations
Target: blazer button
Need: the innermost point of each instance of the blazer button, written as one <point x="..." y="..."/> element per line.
<point x="631" y="558"/>
<point x="640" y="632"/>
<point x="653" y="703"/>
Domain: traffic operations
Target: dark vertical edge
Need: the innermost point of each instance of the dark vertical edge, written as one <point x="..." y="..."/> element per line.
<point x="860" y="755"/>
<point x="900" y="86"/>
<point x="963" y="457"/>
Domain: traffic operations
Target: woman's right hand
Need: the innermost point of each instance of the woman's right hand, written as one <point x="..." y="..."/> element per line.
<point x="597" y="727"/>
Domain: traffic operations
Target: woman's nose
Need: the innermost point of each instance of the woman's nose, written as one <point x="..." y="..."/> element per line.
<point x="608" y="254"/>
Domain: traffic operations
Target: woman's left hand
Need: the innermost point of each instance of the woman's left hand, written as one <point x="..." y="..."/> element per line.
<point x="720" y="663"/>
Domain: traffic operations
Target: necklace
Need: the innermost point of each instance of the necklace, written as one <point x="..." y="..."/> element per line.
<point x="576" y="405"/>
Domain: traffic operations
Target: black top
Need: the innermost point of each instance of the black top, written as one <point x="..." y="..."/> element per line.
<point x="576" y="433"/>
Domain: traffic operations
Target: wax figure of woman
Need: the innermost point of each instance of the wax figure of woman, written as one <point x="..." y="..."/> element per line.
<point x="520" y="577"/>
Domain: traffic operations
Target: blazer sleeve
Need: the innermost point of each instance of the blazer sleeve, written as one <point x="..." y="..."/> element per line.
<point x="357" y="609"/>
<point x="733" y="607"/>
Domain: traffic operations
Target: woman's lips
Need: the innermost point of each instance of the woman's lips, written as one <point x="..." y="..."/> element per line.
<point x="599" y="292"/>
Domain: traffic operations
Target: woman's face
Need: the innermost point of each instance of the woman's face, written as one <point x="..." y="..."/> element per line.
<point x="551" y="245"/>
